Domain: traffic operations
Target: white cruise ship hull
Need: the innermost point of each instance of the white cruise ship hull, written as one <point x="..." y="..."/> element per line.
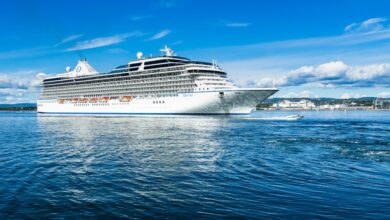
<point x="233" y="101"/>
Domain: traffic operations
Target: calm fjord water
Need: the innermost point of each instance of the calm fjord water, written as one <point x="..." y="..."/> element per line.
<point x="329" y="165"/>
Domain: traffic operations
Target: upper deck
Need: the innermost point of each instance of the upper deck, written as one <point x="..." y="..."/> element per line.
<point x="83" y="72"/>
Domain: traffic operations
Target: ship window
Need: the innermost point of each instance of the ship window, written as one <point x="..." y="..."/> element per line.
<point x="122" y="66"/>
<point x="135" y="64"/>
<point x="157" y="66"/>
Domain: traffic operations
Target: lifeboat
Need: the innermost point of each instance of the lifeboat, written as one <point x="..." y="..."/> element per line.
<point x="83" y="100"/>
<point x="61" y="101"/>
<point x="126" y="98"/>
<point x="75" y="100"/>
<point x="93" y="100"/>
<point x="104" y="99"/>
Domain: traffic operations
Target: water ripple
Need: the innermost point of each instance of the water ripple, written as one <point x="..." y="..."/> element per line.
<point x="329" y="165"/>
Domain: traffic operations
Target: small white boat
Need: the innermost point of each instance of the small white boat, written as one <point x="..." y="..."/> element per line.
<point x="294" y="117"/>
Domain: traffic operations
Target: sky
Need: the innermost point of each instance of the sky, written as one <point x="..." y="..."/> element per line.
<point x="328" y="48"/>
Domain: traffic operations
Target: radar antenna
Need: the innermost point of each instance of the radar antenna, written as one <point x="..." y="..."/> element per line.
<point x="167" y="51"/>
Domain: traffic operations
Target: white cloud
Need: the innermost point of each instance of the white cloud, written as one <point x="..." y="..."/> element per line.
<point x="384" y="95"/>
<point x="334" y="74"/>
<point x="6" y="83"/>
<point x="22" y="83"/>
<point x="13" y="96"/>
<point x="38" y="79"/>
<point x="301" y="94"/>
<point x="98" y="42"/>
<point x="140" y="17"/>
<point x="331" y="69"/>
<point x="102" y="41"/>
<point x="17" y="89"/>
<point x="351" y="95"/>
<point x="264" y="61"/>
<point x="160" y="35"/>
<point x="369" y="25"/>
<point x="69" y="39"/>
<point x="238" y="24"/>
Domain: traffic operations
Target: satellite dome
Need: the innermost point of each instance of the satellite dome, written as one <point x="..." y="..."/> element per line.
<point x="68" y="69"/>
<point x="139" y="55"/>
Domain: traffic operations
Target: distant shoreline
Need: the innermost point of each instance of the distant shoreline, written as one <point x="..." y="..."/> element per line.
<point x="17" y="109"/>
<point x="34" y="109"/>
<point x="322" y="110"/>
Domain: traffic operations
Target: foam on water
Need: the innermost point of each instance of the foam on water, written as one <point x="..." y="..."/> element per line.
<point x="277" y="118"/>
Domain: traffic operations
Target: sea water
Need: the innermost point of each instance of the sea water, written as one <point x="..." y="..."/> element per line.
<point x="327" y="165"/>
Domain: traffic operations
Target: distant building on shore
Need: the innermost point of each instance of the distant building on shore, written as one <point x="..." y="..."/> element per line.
<point x="332" y="107"/>
<point x="366" y="103"/>
<point x="381" y="103"/>
<point x="301" y="104"/>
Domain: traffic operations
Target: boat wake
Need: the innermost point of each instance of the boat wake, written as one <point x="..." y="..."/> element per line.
<point x="278" y="118"/>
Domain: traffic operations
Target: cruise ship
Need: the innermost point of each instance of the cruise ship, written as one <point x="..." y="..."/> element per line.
<point x="166" y="84"/>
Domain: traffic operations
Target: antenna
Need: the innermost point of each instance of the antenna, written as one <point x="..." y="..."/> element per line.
<point x="168" y="51"/>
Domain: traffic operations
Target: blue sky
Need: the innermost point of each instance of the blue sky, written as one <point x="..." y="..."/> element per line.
<point x="307" y="48"/>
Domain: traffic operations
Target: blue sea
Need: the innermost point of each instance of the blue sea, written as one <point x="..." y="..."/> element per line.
<point x="330" y="165"/>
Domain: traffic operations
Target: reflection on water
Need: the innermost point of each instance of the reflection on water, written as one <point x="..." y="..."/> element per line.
<point x="153" y="143"/>
<point x="328" y="165"/>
